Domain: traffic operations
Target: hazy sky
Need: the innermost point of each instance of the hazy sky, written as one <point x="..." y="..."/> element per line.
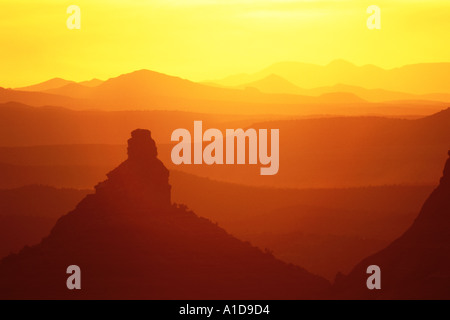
<point x="208" y="39"/>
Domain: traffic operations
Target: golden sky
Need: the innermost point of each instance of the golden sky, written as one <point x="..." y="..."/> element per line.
<point x="209" y="39"/>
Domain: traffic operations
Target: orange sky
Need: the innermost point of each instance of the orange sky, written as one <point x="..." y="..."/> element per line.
<point x="208" y="39"/>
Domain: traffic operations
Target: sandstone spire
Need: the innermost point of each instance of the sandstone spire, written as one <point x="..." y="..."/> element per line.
<point x="142" y="179"/>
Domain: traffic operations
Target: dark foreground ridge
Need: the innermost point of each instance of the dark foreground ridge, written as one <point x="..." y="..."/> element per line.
<point x="416" y="265"/>
<point x="130" y="241"/>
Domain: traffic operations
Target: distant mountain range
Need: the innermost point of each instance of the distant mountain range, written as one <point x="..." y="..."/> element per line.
<point x="276" y="84"/>
<point x="139" y="88"/>
<point x="423" y="78"/>
<point x="272" y="91"/>
<point x="421" y="81"/>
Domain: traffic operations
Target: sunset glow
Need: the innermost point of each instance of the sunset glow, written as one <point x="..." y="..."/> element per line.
<point x="210" y="39"/>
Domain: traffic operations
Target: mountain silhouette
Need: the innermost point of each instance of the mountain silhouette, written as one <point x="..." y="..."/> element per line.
<point x="416" y="265"/>
<point x="130" y="241"/>
<point x="149" y="90"/>
<point x="140" y="87"/>
<point x="144" y="89"/>
<point x="57" y="83"/>
<point x="46" y="85"/>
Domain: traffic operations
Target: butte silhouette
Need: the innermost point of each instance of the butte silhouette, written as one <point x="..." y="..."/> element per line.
<point x="131" y="242"/>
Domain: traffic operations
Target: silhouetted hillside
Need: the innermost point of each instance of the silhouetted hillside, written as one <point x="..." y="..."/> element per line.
<point x="28" y="213"/>
<point x="322" y="254"/>
<point x="416" y="265"/>
<point x="359" y="221"/>
<point x="131" y="242"/>
<point x="290" y="222"/>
